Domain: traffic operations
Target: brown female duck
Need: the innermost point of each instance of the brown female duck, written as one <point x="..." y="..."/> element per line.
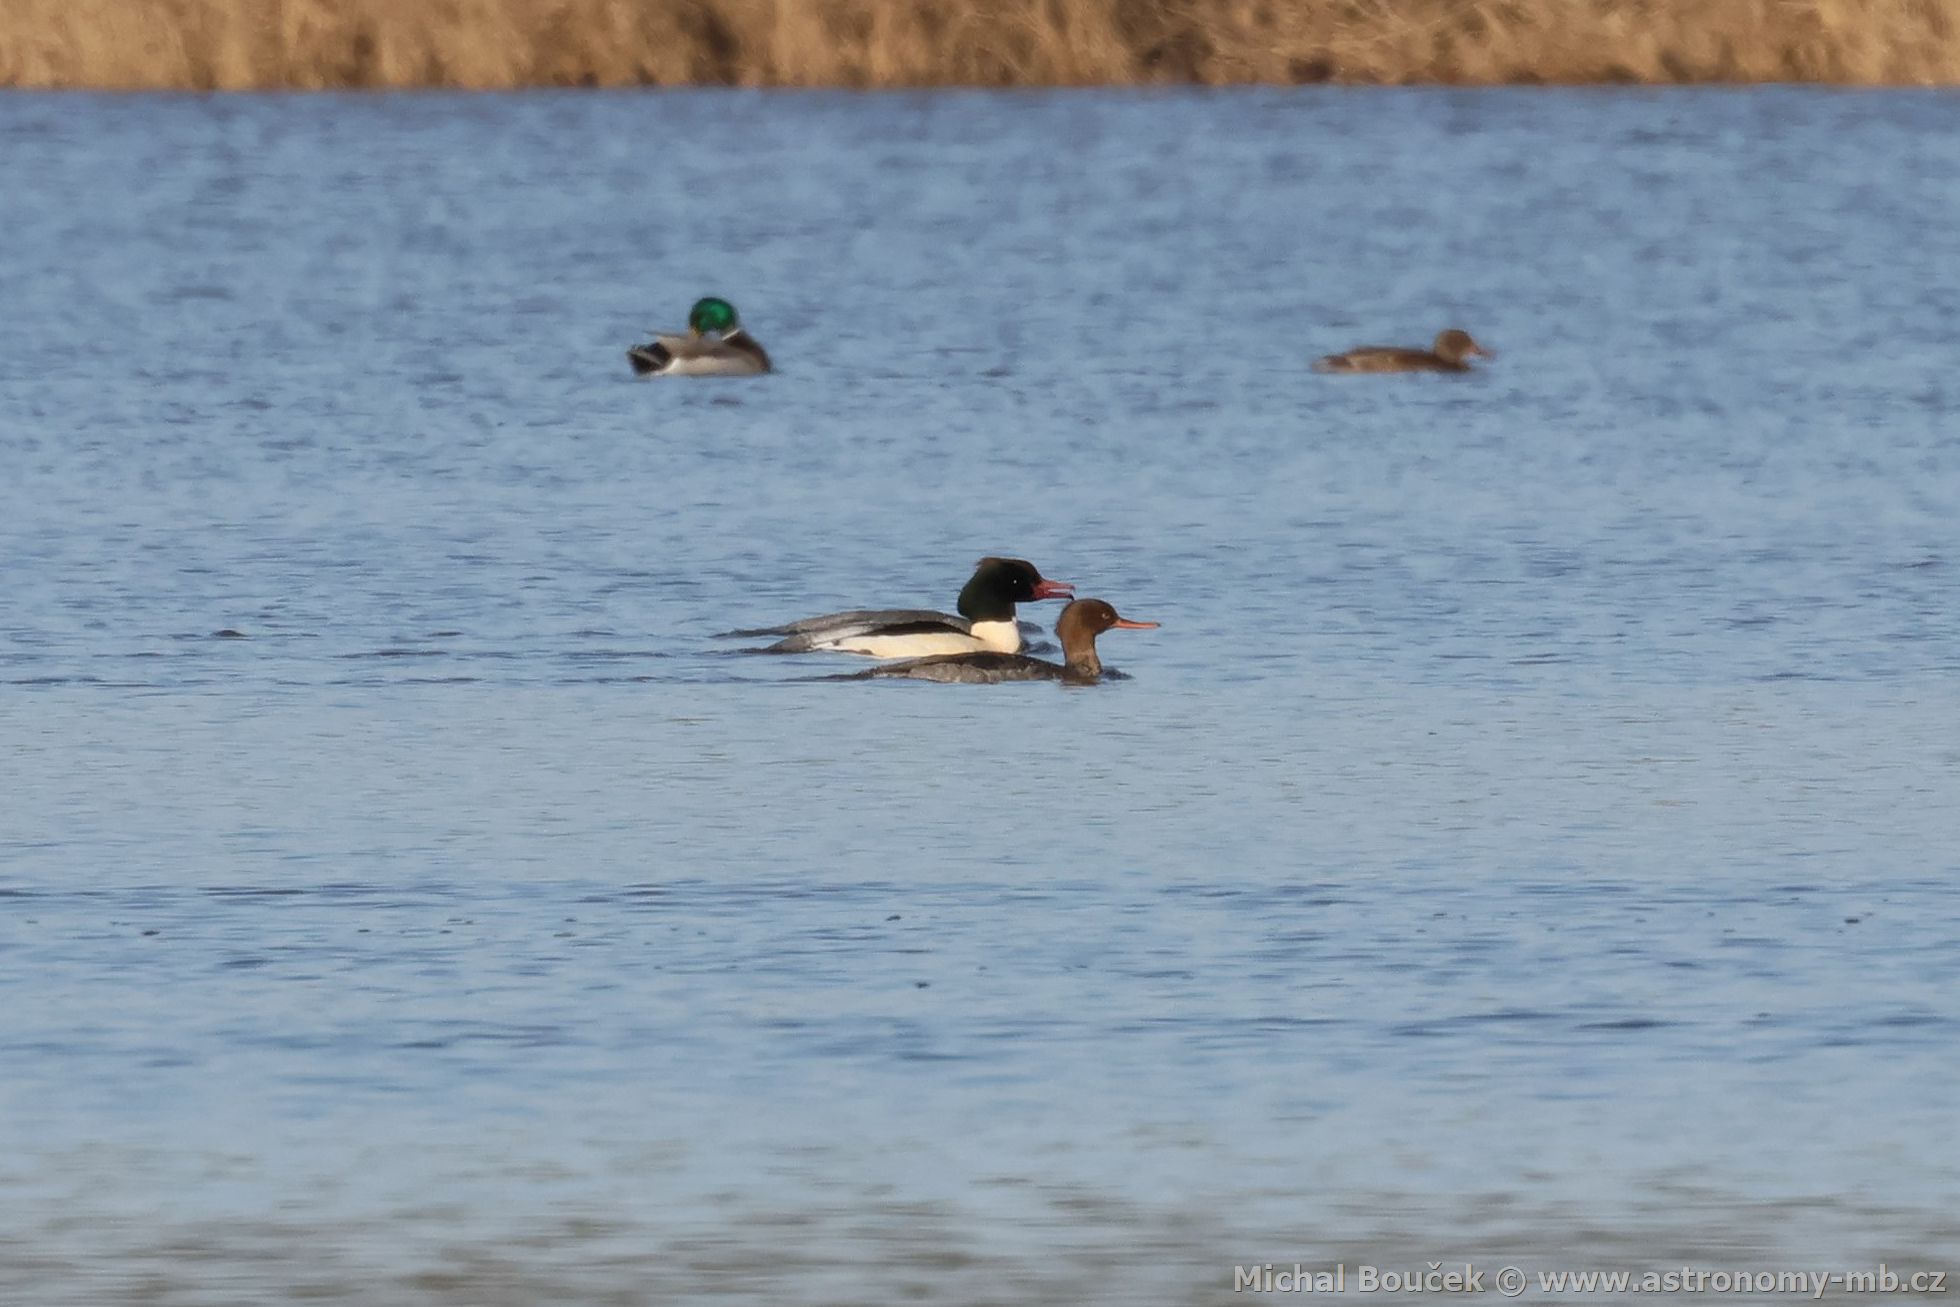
<point x="1451" y="353"/>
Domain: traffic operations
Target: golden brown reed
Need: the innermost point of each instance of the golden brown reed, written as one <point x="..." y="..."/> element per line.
<point x="311" y="44"/>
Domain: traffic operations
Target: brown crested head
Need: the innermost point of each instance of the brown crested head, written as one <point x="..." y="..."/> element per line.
<point x="1091" y="617"/>
<point x="1082" y="621"/>
<point x="1457" y="345"/>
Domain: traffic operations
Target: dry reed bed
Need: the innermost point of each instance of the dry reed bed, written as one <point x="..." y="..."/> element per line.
<point x="312" y="44"/>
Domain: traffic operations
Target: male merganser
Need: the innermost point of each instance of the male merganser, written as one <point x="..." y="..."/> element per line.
<point x="986" y="621"/>
<point x="715" y="346"/>
<point x="1452" y="350"/>
<point x="1082" y="621"/>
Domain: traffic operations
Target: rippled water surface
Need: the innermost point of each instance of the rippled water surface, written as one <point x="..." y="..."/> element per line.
<point x="1530" y="836"/>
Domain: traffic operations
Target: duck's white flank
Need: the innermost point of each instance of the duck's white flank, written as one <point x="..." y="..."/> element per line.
<point x="995" y="637"/>
<point x="712" y="365"/>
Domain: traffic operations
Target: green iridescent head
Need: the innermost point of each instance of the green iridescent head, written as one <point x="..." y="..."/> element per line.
<point x="711" y="314"/>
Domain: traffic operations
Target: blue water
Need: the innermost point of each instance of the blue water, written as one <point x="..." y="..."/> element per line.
<point x="1530" y="836"/>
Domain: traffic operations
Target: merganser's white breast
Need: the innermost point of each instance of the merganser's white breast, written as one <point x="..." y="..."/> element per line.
<point x="919" y="640"/>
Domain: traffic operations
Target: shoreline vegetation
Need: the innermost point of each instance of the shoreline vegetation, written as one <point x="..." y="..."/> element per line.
<point x="203" y="45"/>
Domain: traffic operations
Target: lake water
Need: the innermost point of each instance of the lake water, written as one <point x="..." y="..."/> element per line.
<point x="1531" y="836"/>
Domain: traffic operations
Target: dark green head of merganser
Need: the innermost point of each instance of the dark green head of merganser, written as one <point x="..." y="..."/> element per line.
<point x="1000" y="583"/>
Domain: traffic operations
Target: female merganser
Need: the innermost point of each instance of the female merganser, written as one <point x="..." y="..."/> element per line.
<point x="715" y="346"/>
<point x="986" y="621"/>
<point x="1082" y="621"/>
<point x="1451" y="351"/>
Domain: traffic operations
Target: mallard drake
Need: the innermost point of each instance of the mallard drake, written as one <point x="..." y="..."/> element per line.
<point x="1451" y="353"/>
<point x="715" y="346"/>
